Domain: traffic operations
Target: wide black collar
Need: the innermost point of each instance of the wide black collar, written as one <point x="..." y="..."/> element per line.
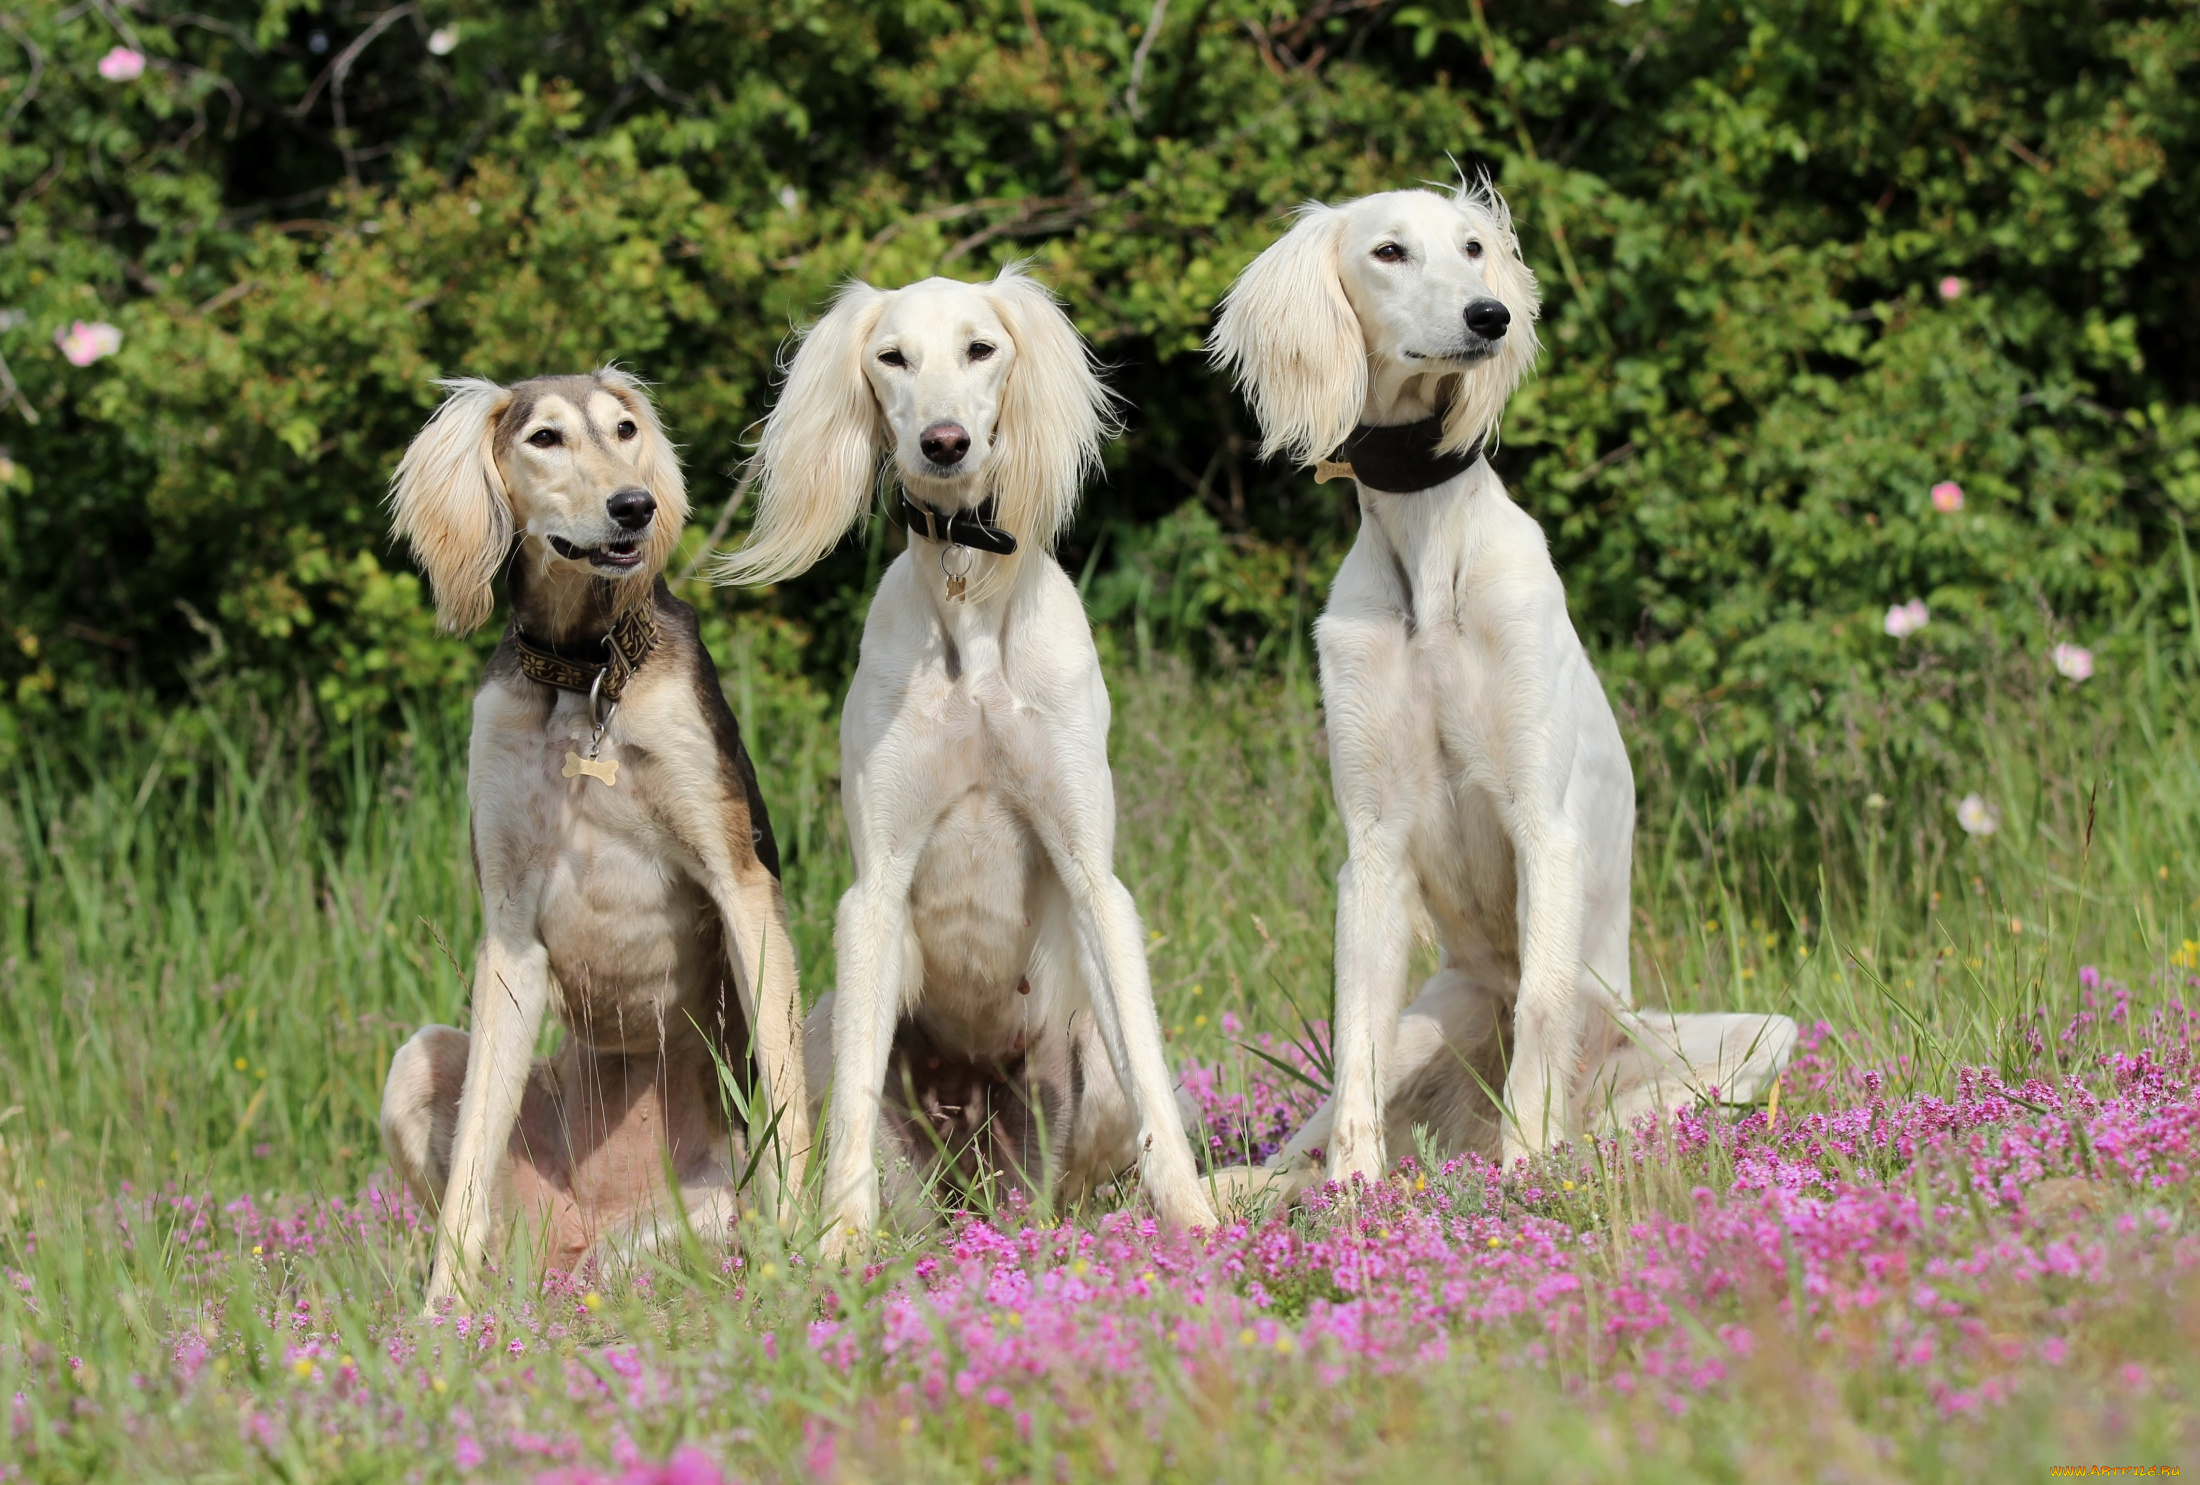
<point x="599" y="668"/>
<point x="1400" y="459"/>
<point x="964" y="528"/>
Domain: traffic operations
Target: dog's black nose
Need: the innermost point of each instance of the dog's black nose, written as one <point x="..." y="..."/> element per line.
<point x="1488" y="319"/>
<point x="631" y="507"/>
<point x="944" y="443"/>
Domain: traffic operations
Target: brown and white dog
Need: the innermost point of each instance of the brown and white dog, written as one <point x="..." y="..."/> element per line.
<point x="626" y="863"/>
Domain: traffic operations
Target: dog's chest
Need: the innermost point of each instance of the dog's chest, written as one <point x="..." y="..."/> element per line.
<point x="980" y="888"/>
<point x="975" y="900"/>
<point x="632" y="936"/>
<point x="1425" y="696"/>
<point x="1461" y="849"/>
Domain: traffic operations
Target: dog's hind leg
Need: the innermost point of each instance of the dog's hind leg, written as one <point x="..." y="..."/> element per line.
<point x="1446" y="1066"/>
<point x="1653" y="1061"/>
<point x="1033" y="1126"/>
<point x="420" y="1107"/>
<point x="1106" y="1136"/>
<point x="420" y="1110"/>
<point x="1449" y="1068"/>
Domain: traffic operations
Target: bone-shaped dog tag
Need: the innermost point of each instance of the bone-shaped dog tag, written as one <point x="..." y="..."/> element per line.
<point x="957" y="582"/>
<point x="1324" y="471"/>
<point x="607" y="769"/>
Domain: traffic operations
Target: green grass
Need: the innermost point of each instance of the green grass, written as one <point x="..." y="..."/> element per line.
<point x="218" y="924"/>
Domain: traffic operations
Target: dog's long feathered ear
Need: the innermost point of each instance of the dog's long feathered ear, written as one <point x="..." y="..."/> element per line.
<point x="1289" y="336"/>
<point x="818" y="456"/>
<point x="447" y="500"/>
<point x="658" y="464"/>
<point x="1055" y="412"/>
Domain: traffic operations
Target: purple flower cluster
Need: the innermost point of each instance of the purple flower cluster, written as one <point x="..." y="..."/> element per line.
<point x="1249" y="1107"/>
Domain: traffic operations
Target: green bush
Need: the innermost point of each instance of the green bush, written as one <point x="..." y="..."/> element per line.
<point x="1743" y="214"/>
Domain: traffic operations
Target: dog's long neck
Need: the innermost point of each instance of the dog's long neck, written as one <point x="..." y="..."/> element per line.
<point x="558" y="603"/>
<point x="1400" y="393"/>
<point x="989" y="580"/>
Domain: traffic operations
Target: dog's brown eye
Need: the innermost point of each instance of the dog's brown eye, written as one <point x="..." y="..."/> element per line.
<point x="627" y="428"/>
<point x="1390" y="252"/>
<point x="979" y="350"/>
<point x="546" y="438"/>
<point x="1474" y="250"/>
<point x="891" y="358"/>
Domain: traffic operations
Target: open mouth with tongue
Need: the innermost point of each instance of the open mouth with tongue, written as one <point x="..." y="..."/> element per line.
<point x="617" y="556"/>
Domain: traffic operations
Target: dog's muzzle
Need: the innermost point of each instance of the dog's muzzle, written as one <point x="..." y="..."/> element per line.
<point x="1486" y="324"/>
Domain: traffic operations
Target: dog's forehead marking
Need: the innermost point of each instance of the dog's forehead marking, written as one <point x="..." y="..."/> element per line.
<point x="604" y="412"/>
<point x="550" y="408"/>
<point x="571" y="401"/>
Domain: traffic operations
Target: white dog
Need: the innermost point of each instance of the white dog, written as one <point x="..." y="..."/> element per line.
<point x="986" y="929"/>
<point x="1485" y="790"/>
<point x="626" y="861"/>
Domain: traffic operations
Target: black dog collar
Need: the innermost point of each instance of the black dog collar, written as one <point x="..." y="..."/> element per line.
<point x="1400" y="459"/>
<point x="965" y="528"/>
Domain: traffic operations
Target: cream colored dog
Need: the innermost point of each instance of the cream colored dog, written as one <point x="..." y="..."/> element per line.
<point x="626" y="861"/>
<point x="1485" y="789"/>
<point x="986" y="935"/>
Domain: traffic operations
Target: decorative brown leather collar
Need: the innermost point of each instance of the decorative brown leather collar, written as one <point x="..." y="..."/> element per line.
<point x="600" y="670"/>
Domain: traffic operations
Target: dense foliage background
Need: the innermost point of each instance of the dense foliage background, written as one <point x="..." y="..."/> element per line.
<point x="1802" y="260"/>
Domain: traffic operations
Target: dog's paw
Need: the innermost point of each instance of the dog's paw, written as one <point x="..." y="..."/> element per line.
<point x="845" y="1243"/>
<point x="1517" y="1147"/>
<point x="1245" y="1193"/>
<point x="442" y="1294"/>
<point x="1189" y="1210"/>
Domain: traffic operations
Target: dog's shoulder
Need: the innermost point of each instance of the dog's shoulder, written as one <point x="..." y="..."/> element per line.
<point x="506" y="698"/>
<point x="679" y="634"/>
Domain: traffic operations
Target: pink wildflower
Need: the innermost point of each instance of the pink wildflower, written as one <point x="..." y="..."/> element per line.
<point x="1905" y="619"/>
<point x="1951" y="288"/>
<point x="85" y="343"/>
<point x="688" y="1466"/>
<point x="1947" y="497"/>
<point x="122" y="65"/>
<point x="2074" y="661"/>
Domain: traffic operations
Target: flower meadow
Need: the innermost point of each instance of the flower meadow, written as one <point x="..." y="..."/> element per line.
<point x="1906" y="1277"/>
<point x="1957" y="1244"/>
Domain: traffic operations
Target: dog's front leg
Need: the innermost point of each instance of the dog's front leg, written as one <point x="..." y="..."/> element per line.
<point x="511" y="993"/>
<point x="1374" y="936"/>
<point x="872" y="941"/>
<point x="756" y="917"/>
<point x="1547" y="1019"/>
<point x="1111" y="946"/>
